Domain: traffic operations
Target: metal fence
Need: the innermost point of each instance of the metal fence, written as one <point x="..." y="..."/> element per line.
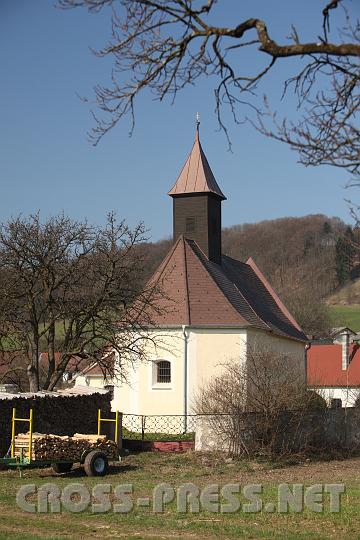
<point x="158" y="427"/>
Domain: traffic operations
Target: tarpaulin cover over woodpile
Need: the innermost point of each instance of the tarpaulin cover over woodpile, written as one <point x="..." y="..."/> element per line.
<point x="59" y="413"/>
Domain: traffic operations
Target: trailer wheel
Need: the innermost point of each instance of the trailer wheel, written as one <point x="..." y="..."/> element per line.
<point x="96" y="463"/>
<point x="61" y="467"/>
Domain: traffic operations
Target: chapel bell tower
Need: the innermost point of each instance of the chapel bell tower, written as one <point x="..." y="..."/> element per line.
<point x="197" y="203"/>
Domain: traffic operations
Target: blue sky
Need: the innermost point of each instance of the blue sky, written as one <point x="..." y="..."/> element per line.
<point x="47" y="164"/>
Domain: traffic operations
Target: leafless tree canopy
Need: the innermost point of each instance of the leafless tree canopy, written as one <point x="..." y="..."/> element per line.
<point x="64" y="287"/>
<point x="259" y="391"/>
<point x="165" y="45"/>
<point x="265" y="382"/>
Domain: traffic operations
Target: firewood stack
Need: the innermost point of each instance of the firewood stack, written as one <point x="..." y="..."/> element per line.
<point x="58" y="448"/>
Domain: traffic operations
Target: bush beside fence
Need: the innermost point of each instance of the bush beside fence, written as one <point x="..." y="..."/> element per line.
<point x="288" y="432"/>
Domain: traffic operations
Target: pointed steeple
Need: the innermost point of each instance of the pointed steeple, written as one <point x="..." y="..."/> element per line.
<point x="196" y="175"/>
<point x="197" y="202"/>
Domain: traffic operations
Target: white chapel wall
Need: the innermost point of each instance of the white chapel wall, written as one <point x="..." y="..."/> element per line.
<point x="207" y="350"/>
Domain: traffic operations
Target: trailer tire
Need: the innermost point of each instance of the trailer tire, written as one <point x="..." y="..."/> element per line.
<point x="61" y="467"/>
<point x="96" y="463"/>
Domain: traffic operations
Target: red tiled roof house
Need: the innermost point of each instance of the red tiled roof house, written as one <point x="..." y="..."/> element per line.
<point x="333" y="370"/>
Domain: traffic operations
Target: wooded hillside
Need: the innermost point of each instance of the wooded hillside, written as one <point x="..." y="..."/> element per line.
<point x="295" y="254"/>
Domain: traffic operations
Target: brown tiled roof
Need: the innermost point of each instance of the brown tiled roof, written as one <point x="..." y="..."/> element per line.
<point x="262" y="298"/>
<point x="75" y="363"/>
<point x="196" y="175"/>
<point x="196" y="291"/>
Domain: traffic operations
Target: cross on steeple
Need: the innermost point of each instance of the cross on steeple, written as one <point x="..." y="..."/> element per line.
<point x="197" y="121"/>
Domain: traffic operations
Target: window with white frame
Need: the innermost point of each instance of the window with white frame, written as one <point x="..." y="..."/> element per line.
<point x="163" y="371"/>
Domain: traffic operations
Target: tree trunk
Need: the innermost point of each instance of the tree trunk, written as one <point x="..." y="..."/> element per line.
<point x="56" y="376"/>
<point x="33" y="378"/>
<point x="33" y="371"/>
<point x="51" y="355"/>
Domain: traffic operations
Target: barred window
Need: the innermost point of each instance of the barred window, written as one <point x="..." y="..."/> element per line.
<point x="163" y="371"/>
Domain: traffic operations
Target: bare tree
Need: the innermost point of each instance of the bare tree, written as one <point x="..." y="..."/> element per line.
<point x="257" y="402"/>
<point x="264" y="381"/>
<point x="166" y="45"/>
<point x="65" y="287"/>
<point x="310" y="311"/>
<point x="13" y="369"/>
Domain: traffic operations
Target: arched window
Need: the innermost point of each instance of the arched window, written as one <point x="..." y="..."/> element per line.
<point x="163" y="371"/>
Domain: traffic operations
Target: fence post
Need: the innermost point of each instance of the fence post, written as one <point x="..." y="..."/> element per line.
<point x="185" y="424"/>
<point x="142" y="430"/>
<point x="120" y="430"/>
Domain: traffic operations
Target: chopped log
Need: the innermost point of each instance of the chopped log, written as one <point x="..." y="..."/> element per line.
<point x="63" y="448"/>
<point x="90" y="437"/>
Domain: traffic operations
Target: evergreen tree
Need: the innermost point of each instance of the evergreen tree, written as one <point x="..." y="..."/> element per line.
<point x="345" y="254"/>
<point x="327" y="229"/>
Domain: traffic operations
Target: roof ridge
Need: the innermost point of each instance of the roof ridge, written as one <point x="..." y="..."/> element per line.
<point x="186" y="284"/>
<point x="250" y="306"/>
<point x="182" y="169"/>
<point x="196" y="171"/>
<point x="197" y="168"/>
<point x="245" y="299"/>
<point x="188" y="241"/>
<point x="187" y="163"/>
<point x="268" y="318"/>
<point x="250" y="262"/>
<point x="165" y="261"/>
<point x="206" y="164"/>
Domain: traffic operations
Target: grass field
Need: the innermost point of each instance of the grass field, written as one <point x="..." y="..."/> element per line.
<point x="346" y="316"/>
<point x="146" y="470"/>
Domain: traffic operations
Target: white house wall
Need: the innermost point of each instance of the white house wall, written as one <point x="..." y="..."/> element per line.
<point x="96" y="381"/>
<point x="207" y="350"/>
<point x="274" y="342"/>
<point x="139" y="395"/>
<point x="211" y="350"/>
<point x="125" y="393"/>
<point x="348" y="395"/>
<point x="265" y="340"/>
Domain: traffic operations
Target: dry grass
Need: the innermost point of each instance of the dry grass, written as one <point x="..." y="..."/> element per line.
<point x="146" y="470"/>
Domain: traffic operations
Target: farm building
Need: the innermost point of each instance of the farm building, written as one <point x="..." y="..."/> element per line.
<point x="14" y="365"/>
<point x="212" y="309"/>
<point x="333" y="369"/>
